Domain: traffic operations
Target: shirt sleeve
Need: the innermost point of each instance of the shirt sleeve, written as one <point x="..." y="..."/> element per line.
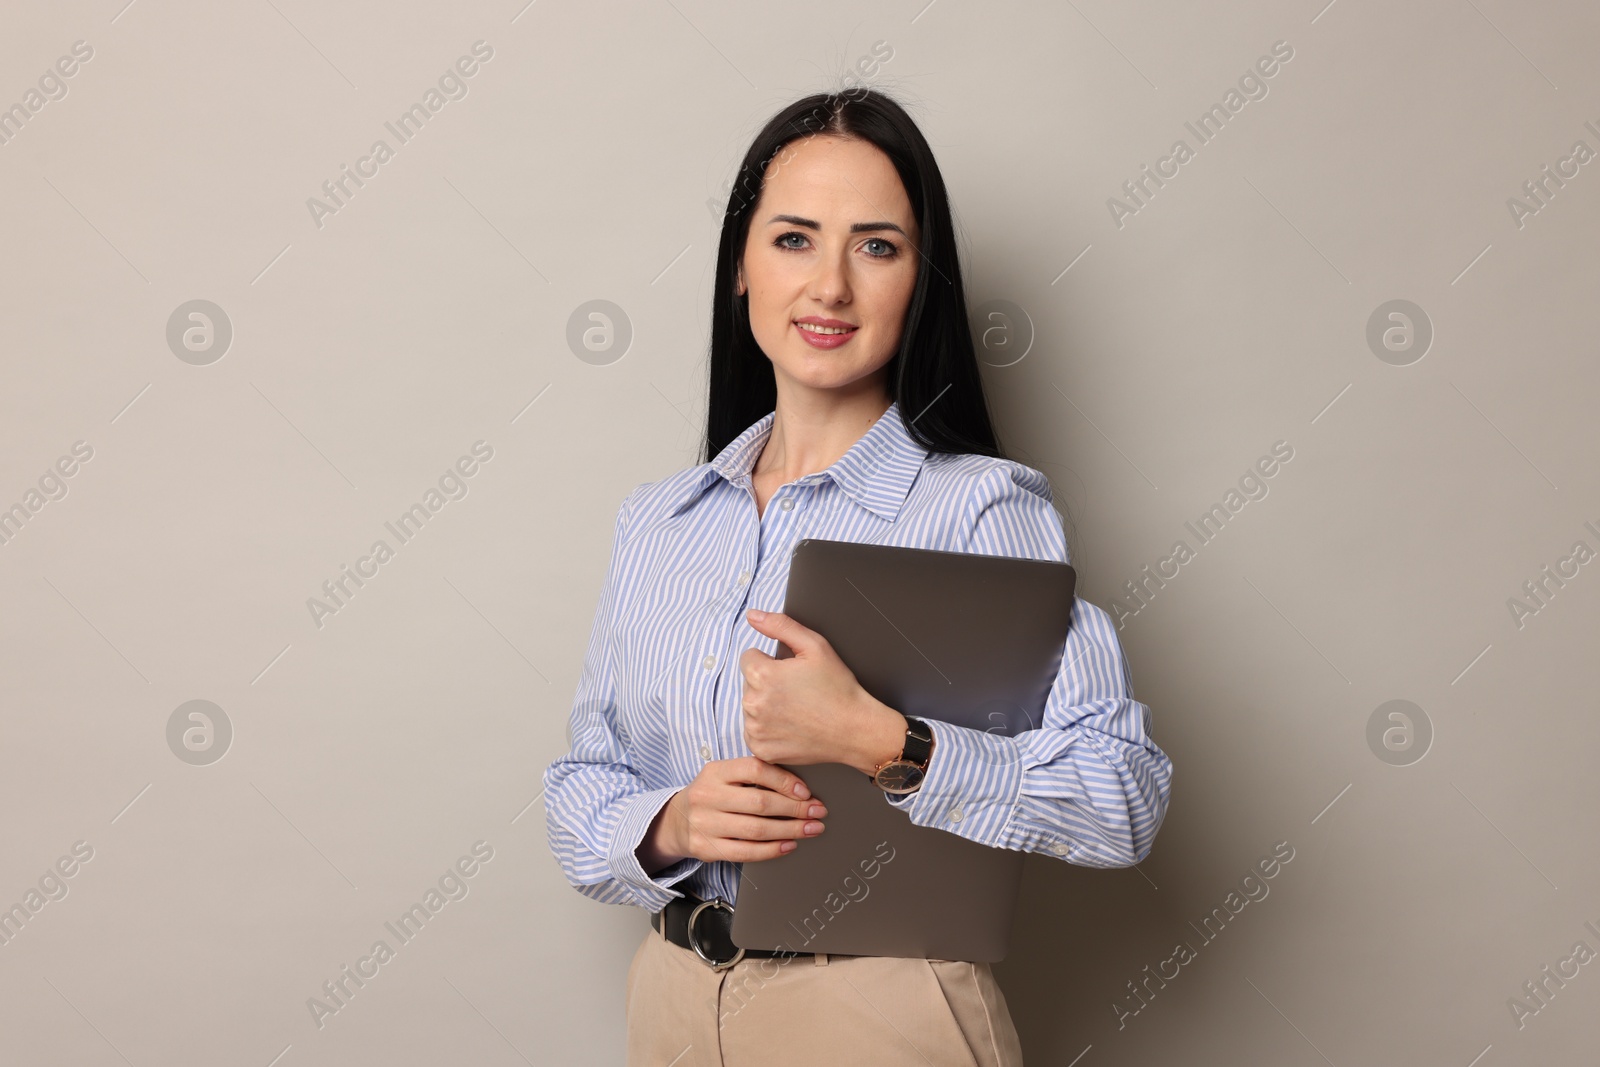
<point x="597" y="805"/>
<point x="1088" y="785"/>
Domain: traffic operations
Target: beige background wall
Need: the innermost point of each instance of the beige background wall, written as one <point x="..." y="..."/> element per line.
<point x="367" y="751"/>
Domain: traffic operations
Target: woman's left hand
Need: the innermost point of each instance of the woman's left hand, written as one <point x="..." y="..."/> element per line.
<point x="809" y="708"/>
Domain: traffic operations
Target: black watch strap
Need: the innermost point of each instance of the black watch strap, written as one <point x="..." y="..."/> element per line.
<point x="919" y="741"/>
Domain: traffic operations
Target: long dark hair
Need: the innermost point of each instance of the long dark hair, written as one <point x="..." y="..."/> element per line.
<point x="934" y="375"/>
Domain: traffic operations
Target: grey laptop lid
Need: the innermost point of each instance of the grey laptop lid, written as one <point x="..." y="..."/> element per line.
<point x="969" y="639"/>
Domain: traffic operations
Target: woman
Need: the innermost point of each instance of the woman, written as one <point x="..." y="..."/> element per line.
<point x="845" y="404"/>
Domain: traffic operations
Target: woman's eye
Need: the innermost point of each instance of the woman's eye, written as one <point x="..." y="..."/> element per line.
<point x="887" y="249"/>
<point x="784" y="237"/>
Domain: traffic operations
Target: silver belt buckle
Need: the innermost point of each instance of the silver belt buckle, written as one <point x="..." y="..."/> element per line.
<point x="694" y="943"/>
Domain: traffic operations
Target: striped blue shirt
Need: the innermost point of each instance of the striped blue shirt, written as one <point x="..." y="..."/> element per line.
<point x="661" y="691"/>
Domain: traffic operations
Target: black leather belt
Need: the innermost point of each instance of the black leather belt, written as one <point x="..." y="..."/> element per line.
<point x="705" y="927"/>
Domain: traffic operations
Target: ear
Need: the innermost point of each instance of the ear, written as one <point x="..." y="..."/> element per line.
<point x="739" y="280"/>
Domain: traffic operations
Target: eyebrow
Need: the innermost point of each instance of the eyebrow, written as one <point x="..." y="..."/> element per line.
<point x="859" y="227"/>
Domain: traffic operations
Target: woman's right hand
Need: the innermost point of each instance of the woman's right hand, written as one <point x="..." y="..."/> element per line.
<point x="741" y="810"/>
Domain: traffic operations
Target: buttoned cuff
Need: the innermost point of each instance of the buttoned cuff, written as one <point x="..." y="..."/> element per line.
<point x="637" y="814"/>
<point x="972" y="787"/>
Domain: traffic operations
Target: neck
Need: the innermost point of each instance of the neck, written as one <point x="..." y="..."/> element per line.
<point x="813" y="428"/>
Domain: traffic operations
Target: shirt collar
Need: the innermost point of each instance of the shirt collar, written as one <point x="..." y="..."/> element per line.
<point x="876" y="472"/>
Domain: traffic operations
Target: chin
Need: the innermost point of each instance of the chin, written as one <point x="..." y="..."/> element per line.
<point x="829" y="383"/>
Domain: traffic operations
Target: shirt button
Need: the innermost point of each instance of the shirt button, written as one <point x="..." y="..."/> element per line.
<point x="786" y="503"/>
<point x="744" y="576"/>
<point x="709" y="662"/>
<point x="705" y="753"/>
<point x="955" y="813"/>
<point x="1060" y="850"/>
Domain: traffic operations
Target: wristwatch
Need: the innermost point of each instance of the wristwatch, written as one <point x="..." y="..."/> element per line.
<point x="903" y="774"/>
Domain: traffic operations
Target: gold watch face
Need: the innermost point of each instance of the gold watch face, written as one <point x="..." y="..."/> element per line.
<point x="900" y="776"/>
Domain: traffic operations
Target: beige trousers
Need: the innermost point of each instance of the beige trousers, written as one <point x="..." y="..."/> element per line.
<point x="805" y="1011"/>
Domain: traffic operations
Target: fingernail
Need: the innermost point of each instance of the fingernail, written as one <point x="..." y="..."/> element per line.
<point x="788" y="846"/>
<point x="757" y="614"/>
<point x="801" y="791"/>
<point x="817" y="811"/>
<point x="813" y="828"/>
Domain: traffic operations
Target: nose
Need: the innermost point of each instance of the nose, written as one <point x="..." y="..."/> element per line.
<point x="830" y="283"/>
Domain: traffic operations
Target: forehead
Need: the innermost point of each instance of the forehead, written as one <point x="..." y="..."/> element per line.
<point x="834" y="178"/>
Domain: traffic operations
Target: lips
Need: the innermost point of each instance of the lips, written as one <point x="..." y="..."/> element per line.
<point x="825" y="333"/>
